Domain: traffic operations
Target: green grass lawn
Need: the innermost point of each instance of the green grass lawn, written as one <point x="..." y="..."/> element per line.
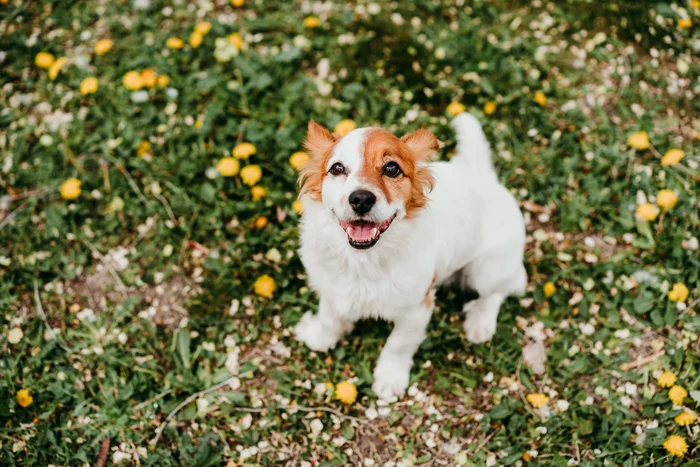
<point x="132" y="308"/>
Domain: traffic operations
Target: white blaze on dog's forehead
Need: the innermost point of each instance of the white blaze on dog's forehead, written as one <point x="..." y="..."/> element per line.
<point x="349" y="150"/>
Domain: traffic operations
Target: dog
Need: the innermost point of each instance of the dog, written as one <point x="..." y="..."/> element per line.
<point x="382" y="227"/>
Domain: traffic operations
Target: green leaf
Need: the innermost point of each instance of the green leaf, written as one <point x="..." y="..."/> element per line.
<point x="288" y="55"/>
<point x="183" y="347"/>
<point x="207" y="192"/>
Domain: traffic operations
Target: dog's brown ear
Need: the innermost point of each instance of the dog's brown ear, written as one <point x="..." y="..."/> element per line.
<point x="319" y="143"/>
<point x="422" y="143"/>
<point x="318" y="140"/>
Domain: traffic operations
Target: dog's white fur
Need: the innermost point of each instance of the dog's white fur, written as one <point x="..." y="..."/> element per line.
<point x="471" y="231"/>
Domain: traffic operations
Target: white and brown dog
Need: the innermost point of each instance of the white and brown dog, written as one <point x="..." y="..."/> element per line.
<point x="382" y="227"/>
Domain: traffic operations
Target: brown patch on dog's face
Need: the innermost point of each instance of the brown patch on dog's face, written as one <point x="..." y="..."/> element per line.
<point x="383" y="152"/>
<point x="319" y="144"/>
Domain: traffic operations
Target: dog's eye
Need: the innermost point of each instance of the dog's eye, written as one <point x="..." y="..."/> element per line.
<point x="337" y="169"/>
<point x="392" y="170"/>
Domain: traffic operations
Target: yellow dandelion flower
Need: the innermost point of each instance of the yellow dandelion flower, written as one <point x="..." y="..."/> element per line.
<point x="55" y="68"/>
<point x="43" y="60"/>
<point x="228" y="166"/>
<point x="244" y="150"/>
<point x="666" y="199"/>
<point x="162" y="80"/>
<point x="676" y="445"/>
<point x="199" y="123"/>
<point x="540" y="98"/>
<point x="235" y="40"/>
<point x="196" y="39"/>
<point x="455" y="108"/>
<point x="666" y="380"/>
<point x="490" y="107"/>
<point x="672" y="157"/>
<point x="549" y="289"/>
<point x="88" y="86"/>
<point x="298" y="159"/>
<point x="264" y="286"/>
<point x="238" y="3"/>
<point x="149" y="78"/>
<point x="538" y="400"/>
<point x="298" y="206"/>
<point x="203" y="28"/>
<point x="312" y="22"/>
<point x="260" y="222"/>
<point x="344" y="127"/>
<point x="24" y="398"/>
<point x="638" y="140"/>
<point x="103" y="46"/>
<point x="143" y="148"/>
<point x="70" y="189"/>
<point x="679" y="292"/>
<point x="346" y="392"/>
<point x="647" y="211"/>
<point x="685" y="418"/>
<point x="676" y="394"/>
<point x="174" y="43"/>
<point x="258" y="192"/>
<point x="685" y="23"/>
<point x="251" y="174"/>
<point x="132" y="81"/>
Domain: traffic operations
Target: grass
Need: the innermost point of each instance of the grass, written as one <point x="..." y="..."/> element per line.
<point x="146" y="279"/>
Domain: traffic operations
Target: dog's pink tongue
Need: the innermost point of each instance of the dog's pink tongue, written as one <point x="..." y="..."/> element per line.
<point x="361" y="233"/>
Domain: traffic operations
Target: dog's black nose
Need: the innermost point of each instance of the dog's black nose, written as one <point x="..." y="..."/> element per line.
<point x="362" y="201"/>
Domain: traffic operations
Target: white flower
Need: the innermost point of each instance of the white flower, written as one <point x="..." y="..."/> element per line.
<point x="118" y="257"/>
<point x="138" y="97"/>
<point x="587" y="329"/>
<point x="46" y="140"/>
<point x="233" y="308"/>
<point x="57" y="120"/>
<point x="301" y="42"/>
<point x="489" y="377"/>
<point x="86" y="315"/>
<point x="15" y="335"/>
<point x="118" y="457"/>
<point x="202" y="406"/>
<point x="316" y="427"/>
<point x="562" y="405"/>
<point x="122" y="338"/>
<point x="374" y="8"/>
<point x="168" y="250"/>
<point x="142" y="4"/>
<point x="209" y="346"/>
<point x="371" y="413"/>
<point x="440" y="53"/>
<point x="274" y="255"/>
<point x="211" y="173"/>
<point x="232" y="362"/>
<point x="622" y="333"/>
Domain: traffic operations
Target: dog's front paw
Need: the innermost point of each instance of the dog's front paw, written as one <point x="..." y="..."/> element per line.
<point x="391" y="379"/>
<point x="311" y="332"/>
<point x="480" y="325"/>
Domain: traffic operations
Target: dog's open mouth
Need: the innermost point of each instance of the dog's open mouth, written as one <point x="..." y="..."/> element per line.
<point x="364" y="234"/>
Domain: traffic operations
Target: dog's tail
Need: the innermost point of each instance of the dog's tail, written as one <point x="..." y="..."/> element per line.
<point x="472" y="146"/>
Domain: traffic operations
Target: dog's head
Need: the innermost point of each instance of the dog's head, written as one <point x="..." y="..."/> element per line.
<point x="368" y="179"/>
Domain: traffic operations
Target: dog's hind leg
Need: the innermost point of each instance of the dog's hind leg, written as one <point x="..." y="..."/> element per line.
<point x="493" y="277"/>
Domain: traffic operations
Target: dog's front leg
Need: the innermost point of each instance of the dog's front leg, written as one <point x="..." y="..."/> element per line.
<point x="322" y="331"/>
<point x="393" y="369"/>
